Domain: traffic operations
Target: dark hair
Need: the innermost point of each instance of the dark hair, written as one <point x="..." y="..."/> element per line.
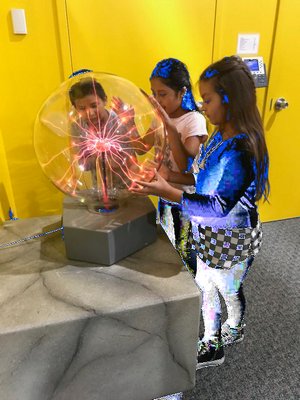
<point x="85" y="87"/>
<point x="174" y="74"/>
<point x="233" y="81"/>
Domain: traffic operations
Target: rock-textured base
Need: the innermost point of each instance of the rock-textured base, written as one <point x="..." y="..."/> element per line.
<point x="87" y="332"/>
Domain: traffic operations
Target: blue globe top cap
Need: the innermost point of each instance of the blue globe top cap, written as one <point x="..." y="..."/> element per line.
<point x="79" y="72"/>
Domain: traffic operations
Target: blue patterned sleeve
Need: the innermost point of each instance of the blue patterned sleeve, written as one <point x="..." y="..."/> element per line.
<point x="231" y="176"/>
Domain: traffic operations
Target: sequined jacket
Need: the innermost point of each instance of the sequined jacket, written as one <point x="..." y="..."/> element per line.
<point x="225" y="186"/>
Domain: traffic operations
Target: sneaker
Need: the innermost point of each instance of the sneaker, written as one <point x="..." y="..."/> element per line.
<point x="230" y="336"/>
<point x="210" y="354"/>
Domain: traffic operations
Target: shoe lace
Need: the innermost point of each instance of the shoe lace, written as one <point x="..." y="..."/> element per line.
<point x="229" y="333"/>
<point x="226" y="331"/>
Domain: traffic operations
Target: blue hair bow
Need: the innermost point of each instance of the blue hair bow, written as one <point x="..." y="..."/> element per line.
<point x="163" y="68"/>
<point x="209" y="73"/>
<point x="188" y="101"/>
<point x="225" y="99"/>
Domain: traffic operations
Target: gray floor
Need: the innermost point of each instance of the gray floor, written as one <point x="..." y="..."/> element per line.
<point x="265" y="366"/>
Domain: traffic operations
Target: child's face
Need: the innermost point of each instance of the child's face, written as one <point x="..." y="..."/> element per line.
<point x="91" y="108"/>
<point x="167" y="98"/>
<point x="212" y="103"/>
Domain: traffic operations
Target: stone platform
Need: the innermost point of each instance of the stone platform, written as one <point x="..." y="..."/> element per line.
<point x="76" y="331"/>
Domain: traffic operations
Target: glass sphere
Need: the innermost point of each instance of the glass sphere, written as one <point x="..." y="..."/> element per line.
<point x="95" y="136"/>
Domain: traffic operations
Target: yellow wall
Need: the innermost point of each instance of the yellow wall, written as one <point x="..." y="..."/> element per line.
<point x="129" y="37"/>
<point x="283" y="138"/>
<point x="30" y="70"/>
<point x="126" y="38"/>
<point x="234" y="17"/>
<point x="6" y="193"/>
<point x="134" y="35"/>
<point x="277" y="22"/>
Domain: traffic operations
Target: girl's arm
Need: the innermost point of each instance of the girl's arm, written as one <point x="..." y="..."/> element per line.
<point x="181" y="151"/>
<point x="176" y="177"/>
<point x="192" y="144"/>
<point x="235" y="176"/>
<point x="76" y="140"/>
<point x="187" y="146"/>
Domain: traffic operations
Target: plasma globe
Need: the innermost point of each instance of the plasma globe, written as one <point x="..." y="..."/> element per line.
<point x="96" y="135"/>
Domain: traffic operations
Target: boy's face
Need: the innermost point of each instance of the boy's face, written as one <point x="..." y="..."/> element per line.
<point x="91" y="108"/>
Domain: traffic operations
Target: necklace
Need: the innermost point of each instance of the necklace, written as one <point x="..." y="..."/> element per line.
<point x="203" y="162"/>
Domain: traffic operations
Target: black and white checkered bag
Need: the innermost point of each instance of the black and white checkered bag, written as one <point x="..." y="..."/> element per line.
<point x="223" y="248"/>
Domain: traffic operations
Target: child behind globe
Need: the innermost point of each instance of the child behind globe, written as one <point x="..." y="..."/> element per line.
<point x="99" y="140"/>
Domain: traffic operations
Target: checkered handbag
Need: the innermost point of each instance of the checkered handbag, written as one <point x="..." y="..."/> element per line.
<point x="223" y="248"/>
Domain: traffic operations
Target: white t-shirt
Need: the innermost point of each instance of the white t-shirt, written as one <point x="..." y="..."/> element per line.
<point x="190" y="124"/>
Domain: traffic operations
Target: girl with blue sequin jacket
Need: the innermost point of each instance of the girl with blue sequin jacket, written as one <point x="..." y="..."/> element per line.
<point x="233" y="176"/>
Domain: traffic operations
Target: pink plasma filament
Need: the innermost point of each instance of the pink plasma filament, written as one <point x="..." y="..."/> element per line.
<point x="110" y="150"/>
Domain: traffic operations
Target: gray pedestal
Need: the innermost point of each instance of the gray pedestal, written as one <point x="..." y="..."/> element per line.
<point x="106" y="238"/>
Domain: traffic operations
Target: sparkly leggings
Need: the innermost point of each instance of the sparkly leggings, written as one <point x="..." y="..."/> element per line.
<point x="178" y="230"/>
<point x="229" y="284"/>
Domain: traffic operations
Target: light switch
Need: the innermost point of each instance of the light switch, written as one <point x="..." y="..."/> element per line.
<point x="19" y="21"/>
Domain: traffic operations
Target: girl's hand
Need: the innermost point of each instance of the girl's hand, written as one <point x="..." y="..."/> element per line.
<point x="163" y="115"/>
<point x="158" y="187"/>
<point x="161" y="112"/>
<point x="162" y="169"/>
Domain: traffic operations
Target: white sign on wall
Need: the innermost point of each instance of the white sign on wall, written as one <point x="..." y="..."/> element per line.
<point x="248" y="43"/>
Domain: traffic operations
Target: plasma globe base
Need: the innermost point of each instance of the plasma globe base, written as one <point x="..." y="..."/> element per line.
<point x="105" y="238"/>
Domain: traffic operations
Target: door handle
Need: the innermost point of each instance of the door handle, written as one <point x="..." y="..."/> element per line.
<point x="281" y="104"/>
